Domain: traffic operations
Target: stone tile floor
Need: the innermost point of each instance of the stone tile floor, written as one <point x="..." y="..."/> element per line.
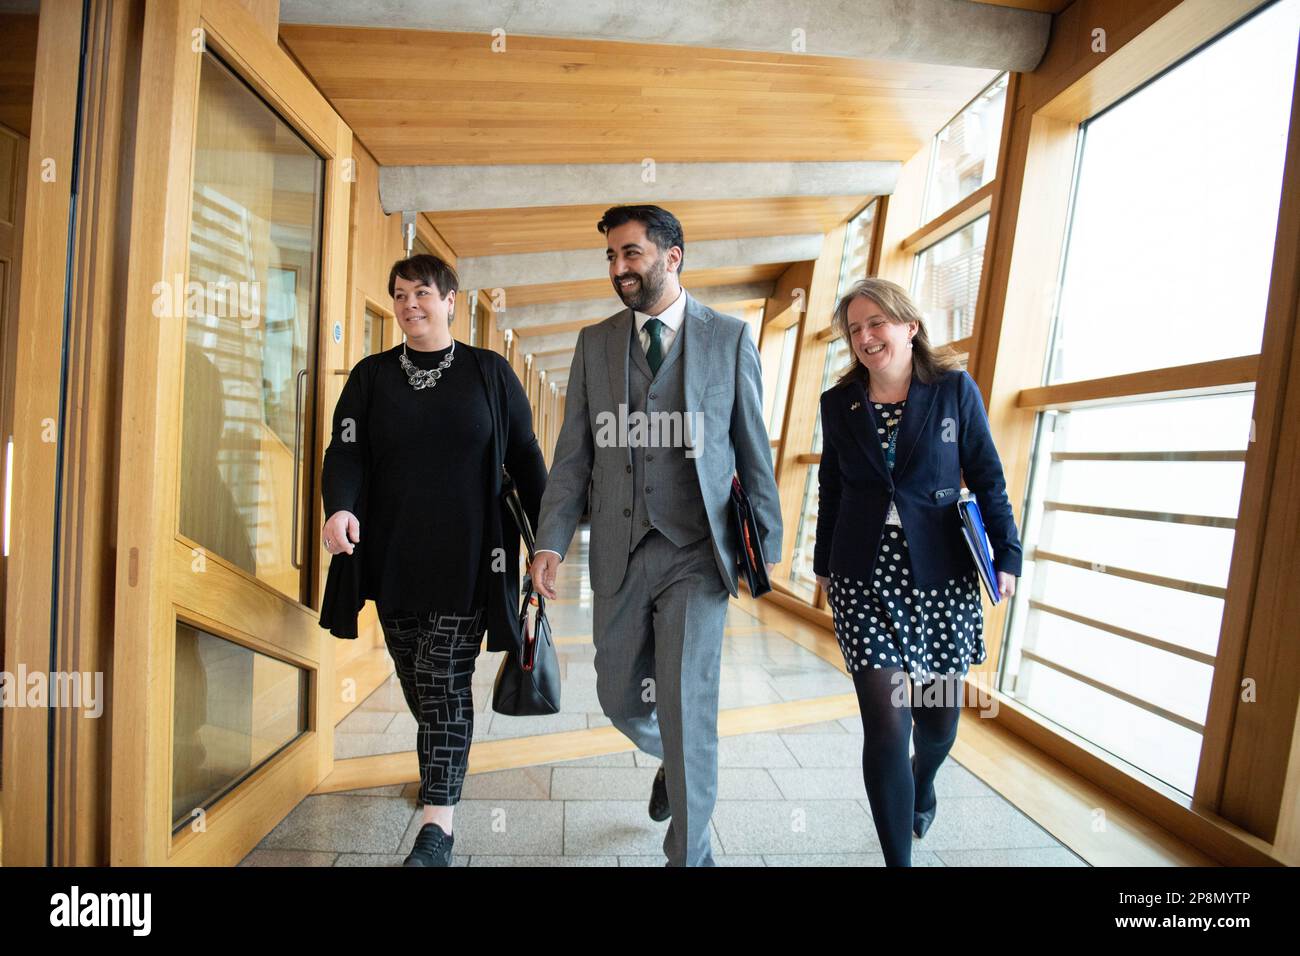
<point x="788" y="798"/>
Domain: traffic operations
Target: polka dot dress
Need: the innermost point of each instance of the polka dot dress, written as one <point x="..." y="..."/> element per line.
<point x="886" y="622"/>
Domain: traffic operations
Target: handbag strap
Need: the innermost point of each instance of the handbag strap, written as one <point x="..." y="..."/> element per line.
<point x="511" y="496"/>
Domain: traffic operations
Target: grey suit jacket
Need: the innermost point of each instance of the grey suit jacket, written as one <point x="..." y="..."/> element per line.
<point x="723" y="380"/>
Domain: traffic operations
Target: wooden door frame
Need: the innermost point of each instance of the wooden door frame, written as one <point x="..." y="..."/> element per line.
<point x="157" y="582"/>
<point x="36" y="403"/>
<point x="9" y="332"/>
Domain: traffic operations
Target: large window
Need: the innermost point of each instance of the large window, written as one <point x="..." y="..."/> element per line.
<point x="946" y="282"/>
<point x="1132" y="504"/>
<point x="776" y="393"/>
<point x="965" y="153"/>
<point x="1132" y="513"/>
<point x="948" y="252"/>
<point x="857" y="248"/>
<point x="802" y="580"/>
<point x="859" y="237"/>
<point x="1177" y="203"/>
<point x="838" y="359"/>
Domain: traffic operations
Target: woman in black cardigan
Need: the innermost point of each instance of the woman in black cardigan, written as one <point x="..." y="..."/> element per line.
<point x="421" y="434"/>
<point x="900" y="429"/>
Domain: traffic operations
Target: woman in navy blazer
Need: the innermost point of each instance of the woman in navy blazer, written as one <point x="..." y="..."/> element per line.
<point x="899" y="430"/>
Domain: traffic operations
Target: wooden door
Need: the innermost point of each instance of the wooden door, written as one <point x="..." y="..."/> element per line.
<point x="237" y="263"/>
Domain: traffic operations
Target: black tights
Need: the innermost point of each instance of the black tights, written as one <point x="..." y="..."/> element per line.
<point x="886" y="702"/>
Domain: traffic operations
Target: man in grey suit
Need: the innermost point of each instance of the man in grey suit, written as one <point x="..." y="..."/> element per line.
<point x="664" y="404"/>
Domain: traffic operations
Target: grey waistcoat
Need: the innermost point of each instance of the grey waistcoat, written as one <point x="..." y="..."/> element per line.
<point x="665" y="486"/>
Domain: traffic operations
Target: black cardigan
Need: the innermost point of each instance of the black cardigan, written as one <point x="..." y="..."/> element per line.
<point x="344" y="595"/>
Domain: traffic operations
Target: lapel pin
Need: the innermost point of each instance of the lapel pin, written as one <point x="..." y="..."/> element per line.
<point x="855" y="406"/>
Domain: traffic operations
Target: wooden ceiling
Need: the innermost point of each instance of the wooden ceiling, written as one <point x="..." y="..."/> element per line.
<point x="418" y="97"/>
<point x="489" y="232"/>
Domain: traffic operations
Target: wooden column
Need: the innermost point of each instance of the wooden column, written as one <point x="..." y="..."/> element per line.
<point x="1250" y="753"/>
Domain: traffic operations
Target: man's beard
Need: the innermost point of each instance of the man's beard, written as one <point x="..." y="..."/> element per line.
<point x="648" y="292"/>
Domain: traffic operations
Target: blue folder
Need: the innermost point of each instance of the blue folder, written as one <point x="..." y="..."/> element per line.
<point x="972" y="529"/>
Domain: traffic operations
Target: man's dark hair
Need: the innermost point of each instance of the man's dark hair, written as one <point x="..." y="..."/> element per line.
<point x="660" y="225"/>
<point x="426" y="270"/>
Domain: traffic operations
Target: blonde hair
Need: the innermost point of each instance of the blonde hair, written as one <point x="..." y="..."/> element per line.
<point x="928" y="363"/>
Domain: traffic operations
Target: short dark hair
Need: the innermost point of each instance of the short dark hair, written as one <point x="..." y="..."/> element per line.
<point x="660" y="225"/>
<point x="426" y="270"/>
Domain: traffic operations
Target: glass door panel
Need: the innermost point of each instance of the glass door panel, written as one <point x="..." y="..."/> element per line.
<point x="251" y="306"/>
<point x="235" y="709"/>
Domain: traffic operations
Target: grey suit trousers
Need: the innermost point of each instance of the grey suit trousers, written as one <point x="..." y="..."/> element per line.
<point x="658" y="642"/>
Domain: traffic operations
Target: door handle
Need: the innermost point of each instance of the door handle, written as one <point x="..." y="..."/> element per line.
<point x="297" y="460"/>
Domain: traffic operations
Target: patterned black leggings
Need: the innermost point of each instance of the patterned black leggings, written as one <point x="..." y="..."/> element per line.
<point x="434" y="655"/>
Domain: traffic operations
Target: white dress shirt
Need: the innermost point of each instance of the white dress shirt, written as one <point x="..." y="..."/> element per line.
<point x="672" y="318"/>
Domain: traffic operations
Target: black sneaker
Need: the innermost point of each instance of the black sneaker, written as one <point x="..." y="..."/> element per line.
<point x="432" y="847"/>
<point x="659" y="809"/>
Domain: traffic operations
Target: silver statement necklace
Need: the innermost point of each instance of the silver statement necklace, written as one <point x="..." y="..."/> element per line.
<point x="425" y="377"/>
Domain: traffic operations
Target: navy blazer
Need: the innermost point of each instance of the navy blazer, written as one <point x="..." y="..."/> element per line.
<point x="944" y="434"/>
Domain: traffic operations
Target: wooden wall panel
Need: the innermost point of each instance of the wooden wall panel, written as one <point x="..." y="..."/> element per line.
<point x="789" y="297"/>
<point x="902" y="218"/>
<point x="374" y="244"/>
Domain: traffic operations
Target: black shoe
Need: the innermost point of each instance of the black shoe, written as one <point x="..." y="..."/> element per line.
<point x="659" y="809"/>
<point x="921" y="819"/>
<point x="432" y="847"/>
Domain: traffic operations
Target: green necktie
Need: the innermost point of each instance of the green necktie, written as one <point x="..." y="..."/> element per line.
<point x="655" y="353"/>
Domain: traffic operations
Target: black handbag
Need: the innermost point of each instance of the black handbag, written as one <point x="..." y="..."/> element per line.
<point x="749" y="556"/>
<point x="528" y="680"/>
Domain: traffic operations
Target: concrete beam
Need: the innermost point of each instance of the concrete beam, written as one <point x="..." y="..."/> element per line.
<point x="945" y="32"/>
<point x="553" y="362"/>
<point x="556" y="341"/>
<point x="576" y="265"/>
<point x="451" y="188"/>
<point x="533" y="319"/>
